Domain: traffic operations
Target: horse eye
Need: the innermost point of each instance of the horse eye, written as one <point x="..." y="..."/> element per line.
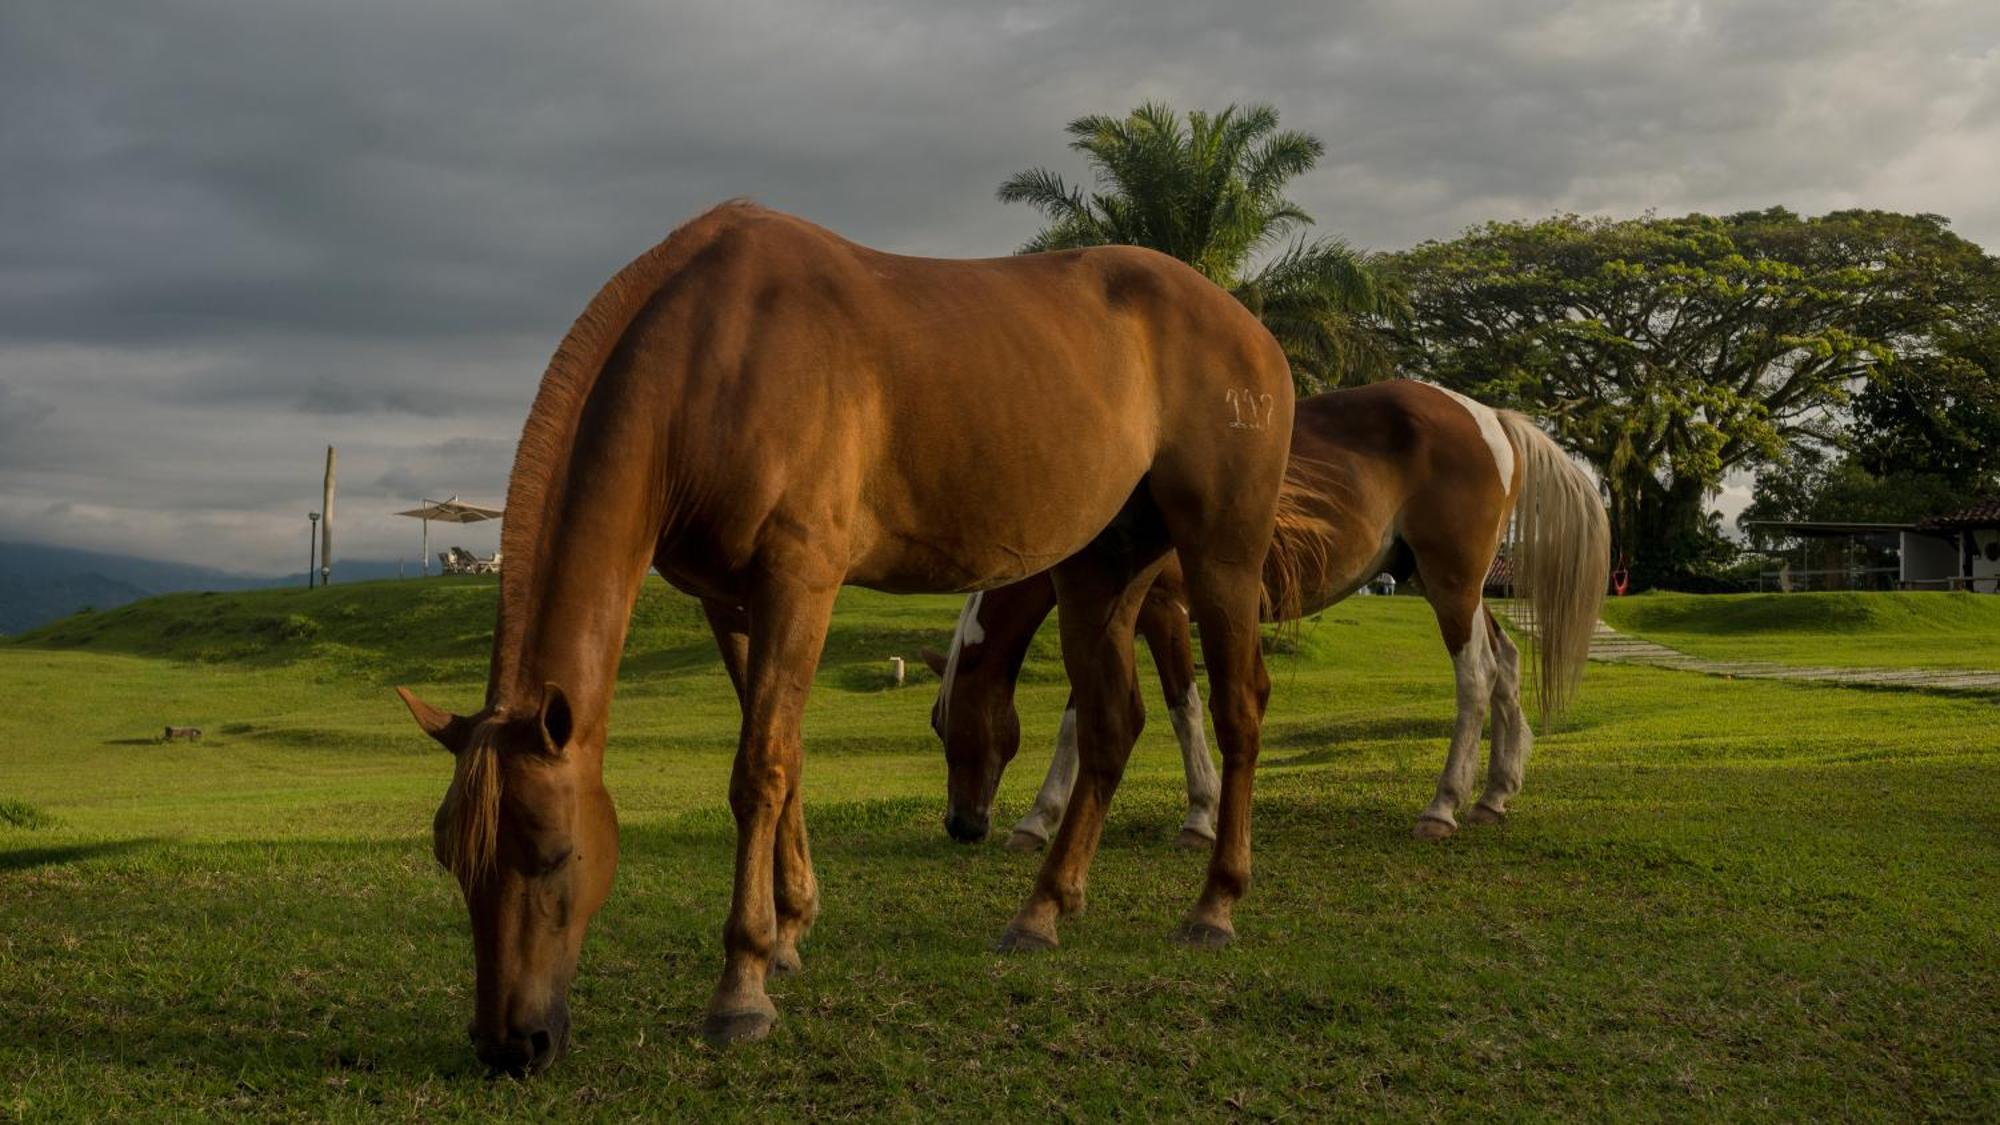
<point x="551" y="861"/>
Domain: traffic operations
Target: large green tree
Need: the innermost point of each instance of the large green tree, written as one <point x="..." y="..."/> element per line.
<point x="1923" y="442"/>
<point x="1210" y="190"/>
<point x="1669" y="351"/>
<point x="1937" y="414"/>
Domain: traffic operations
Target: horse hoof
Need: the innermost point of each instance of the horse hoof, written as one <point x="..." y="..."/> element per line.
<point x="1017" y="940"/>
<point x="1194" y="841"/>
<point x="1204" y="935"/>
<point x="1021" y="841"/>
<point x="1428" y="829"/>
<point x="1481" y="814"/>
<point x="748" y="1026"/>
<point x="785" y="963"/>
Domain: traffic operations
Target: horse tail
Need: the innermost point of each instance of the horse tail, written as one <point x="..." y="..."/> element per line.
<point x="1561" y="548"/>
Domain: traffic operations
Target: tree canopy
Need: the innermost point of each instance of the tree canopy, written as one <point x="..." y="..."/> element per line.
<point x="1210" y="190"/>
<point x="1668" y="351"/>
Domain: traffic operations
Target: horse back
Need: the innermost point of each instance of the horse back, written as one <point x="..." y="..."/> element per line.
<point x="964" y="423"/>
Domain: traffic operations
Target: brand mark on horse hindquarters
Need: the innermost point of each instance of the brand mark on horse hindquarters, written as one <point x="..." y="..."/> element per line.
<point x="1253" y="409"/>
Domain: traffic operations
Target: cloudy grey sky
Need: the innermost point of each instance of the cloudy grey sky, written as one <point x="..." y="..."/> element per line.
<point x="232" y="231"/>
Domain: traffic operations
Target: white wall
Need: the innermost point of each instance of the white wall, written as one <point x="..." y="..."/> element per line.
<point x="1983" y="567"/>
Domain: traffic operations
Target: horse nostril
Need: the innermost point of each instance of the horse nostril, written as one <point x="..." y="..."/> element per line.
<point x="542" y="1044"/>
<point x="965" y="829"/>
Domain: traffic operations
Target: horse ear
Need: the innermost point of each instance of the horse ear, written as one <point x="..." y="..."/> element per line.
<point x="450" y="730"/>
<point x="933" y="659"/>
<point x="558" y="722"/>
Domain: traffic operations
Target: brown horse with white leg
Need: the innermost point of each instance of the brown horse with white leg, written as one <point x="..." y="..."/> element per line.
<point x="1399" y="476"/>
<point x="762" y="412"/>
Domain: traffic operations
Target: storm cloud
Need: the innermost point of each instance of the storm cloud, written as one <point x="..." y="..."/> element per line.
<point x="233" y="232"/>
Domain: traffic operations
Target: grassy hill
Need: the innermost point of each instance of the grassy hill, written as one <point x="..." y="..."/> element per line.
<point x="441" y="630"/>
<point x="1850" y="629"/>
<point x="1715" y="898"/>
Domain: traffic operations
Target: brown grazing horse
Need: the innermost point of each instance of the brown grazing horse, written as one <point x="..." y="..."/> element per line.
<point x="763" y="411"/>
<point x="1399" y="476"/>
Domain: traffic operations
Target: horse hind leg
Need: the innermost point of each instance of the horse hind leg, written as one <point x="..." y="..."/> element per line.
<point x="1473" y="668"/>
<point x="1098" y="592"/>
<point x="1223" y="598"/>
<point x="1512" y="739"/>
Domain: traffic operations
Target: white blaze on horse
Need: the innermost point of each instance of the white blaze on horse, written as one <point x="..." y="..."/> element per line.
<point x="1402" y="477"/>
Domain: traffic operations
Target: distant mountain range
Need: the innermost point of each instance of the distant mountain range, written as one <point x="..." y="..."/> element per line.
<point x="40" y="583"/>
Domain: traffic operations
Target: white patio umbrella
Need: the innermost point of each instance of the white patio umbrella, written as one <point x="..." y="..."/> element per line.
<point x="453" y="510"/>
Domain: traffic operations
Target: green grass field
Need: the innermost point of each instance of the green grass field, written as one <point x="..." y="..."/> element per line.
<point x="1851" y="630"/>
<point x="1716" y="899"/>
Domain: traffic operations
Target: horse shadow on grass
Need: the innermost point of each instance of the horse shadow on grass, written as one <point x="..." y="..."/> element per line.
<point x="1321" y="741"/>
<point x="207" y="1003"/>
<point x="28" y="859"/>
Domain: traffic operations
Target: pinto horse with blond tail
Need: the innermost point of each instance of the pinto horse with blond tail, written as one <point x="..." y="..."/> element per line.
<point x="762" y="412"/>
<point x="1401" y="477"/>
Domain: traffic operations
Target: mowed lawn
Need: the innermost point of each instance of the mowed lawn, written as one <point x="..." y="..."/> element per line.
<point x="1844" y="629"/>
<point x="1718" y="899"/>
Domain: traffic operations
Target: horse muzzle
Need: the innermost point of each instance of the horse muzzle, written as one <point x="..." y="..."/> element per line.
<point x="966" y="828"/>
<point x="526" y="1050"/>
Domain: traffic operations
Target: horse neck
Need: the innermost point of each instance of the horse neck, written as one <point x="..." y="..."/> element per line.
<point x="1009" y="618"/>
<point x="566" y="623"/>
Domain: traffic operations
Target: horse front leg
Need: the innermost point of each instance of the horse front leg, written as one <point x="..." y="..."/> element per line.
<point x="795" y="889"/>
<point x="1034" y="830"/>
<point x="774" y="891"/>
<point x="1163" y="622"/>
<point x="1204" y="787"/>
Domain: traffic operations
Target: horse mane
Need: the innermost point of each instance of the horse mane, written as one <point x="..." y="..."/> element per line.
<point x="540" y="477"/>
<point x="536" y="490"/>
<point x="1299" y="542"/>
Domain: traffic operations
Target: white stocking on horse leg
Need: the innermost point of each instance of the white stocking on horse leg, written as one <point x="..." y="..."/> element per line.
<point x="1473" y="669"/>
<point x="1204" y="788"/>
<point x="1511" y="737"/>
<point x="1043" y="820"/>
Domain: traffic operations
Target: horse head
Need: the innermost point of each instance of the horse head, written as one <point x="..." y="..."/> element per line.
<point x="532" y="840"/>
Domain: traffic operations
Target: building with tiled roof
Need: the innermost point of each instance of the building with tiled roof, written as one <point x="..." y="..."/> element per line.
<point x="1958" y="550"/>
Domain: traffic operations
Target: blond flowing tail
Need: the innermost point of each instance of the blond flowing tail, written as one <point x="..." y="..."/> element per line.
<point x="1561" y="547"/>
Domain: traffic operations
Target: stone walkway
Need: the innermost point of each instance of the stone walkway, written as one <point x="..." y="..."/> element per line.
<point x="1613" y="647"/>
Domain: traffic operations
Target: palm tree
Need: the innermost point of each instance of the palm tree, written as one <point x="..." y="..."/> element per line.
<point x="1210" y="191"/>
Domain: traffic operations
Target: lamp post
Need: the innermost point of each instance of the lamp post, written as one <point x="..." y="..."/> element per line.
<point x="312" y="546"/>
